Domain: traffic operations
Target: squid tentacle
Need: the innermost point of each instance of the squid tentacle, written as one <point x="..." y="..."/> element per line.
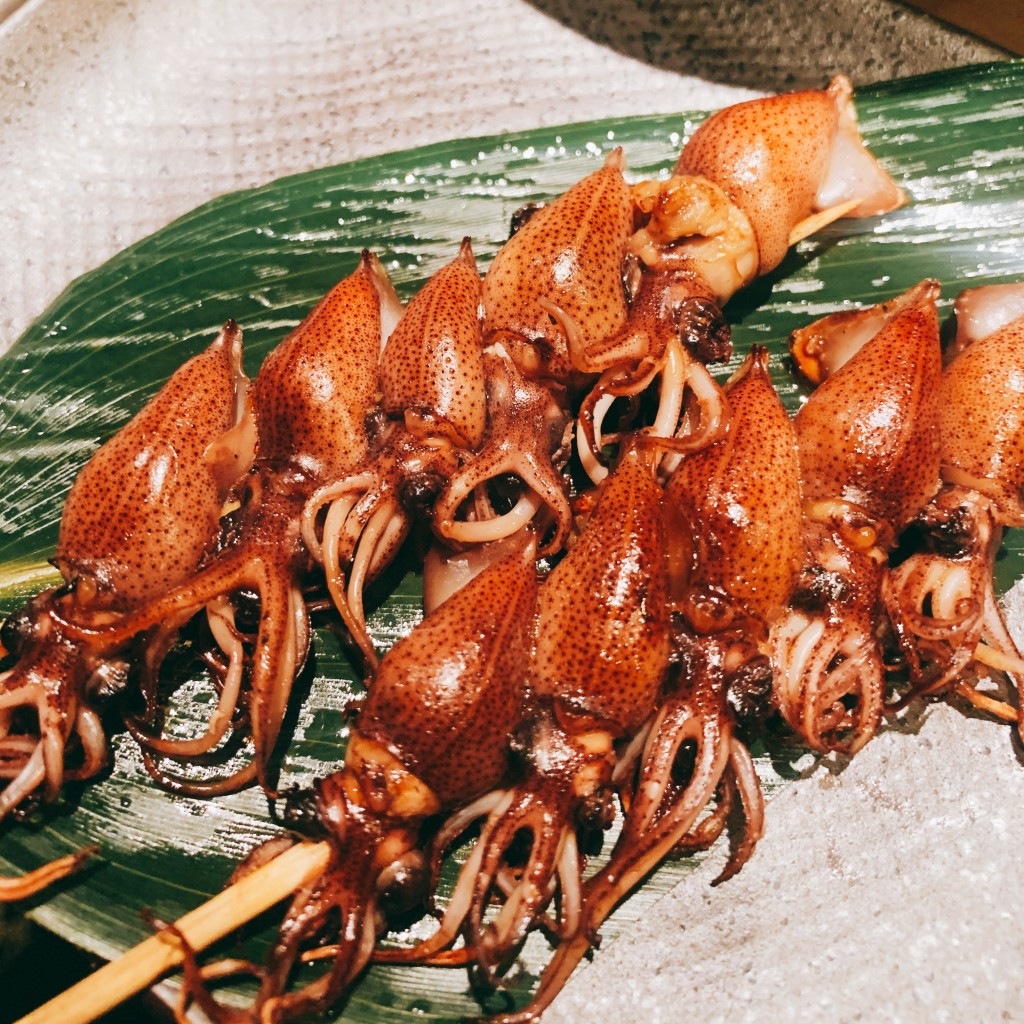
<point x="543" y="814"/>
<point x="221" y="618"/>
<point x="820" y="667"/>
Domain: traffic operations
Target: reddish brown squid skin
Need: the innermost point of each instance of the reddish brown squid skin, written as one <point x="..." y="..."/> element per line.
<point x="432" y="735"/>
<point x="333" y="354"/>
<point x="568" y="256"/>
<point x="141" y="515"/>
<point x="753" y="179"/>
<point x="722" y="611"/>
<point x="941" y="599"/>
<point x="743" y="495"/>
<point x="781" y="157"/>
<point x="601" y="652"/>
<point x="869" y="457"/>
<point x="430" y="419"/>
<point x="553" y="290"/>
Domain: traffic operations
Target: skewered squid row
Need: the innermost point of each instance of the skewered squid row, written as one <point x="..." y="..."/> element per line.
<point x="550" y="356"/>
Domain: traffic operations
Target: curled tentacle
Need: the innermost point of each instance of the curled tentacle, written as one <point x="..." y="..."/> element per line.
<point x="29" y="884"/>
<point x="542" y="809"/>
<point x="939" y="601"/>
<point x="434" y="413"/>
<point x="691" y="410"/>
<point x="941" y="598"/>
<point x="829" y="671"/>
<point x="526" y="433"/>
<point x="364" y="525"/>
<point x="869" y="461"/>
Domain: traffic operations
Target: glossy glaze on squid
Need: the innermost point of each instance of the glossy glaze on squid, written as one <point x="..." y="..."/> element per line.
<point x="430" y="419"/>
<point x="142" y="514"/>
<point x="740" y="499"/>
<point x="431" y="735"/>
<point x="752" y="180"/>
<point x="941" y="598"/>
<point x="869" y="458"/>
<point x="466" y="423"/>
<point x="602" y="649"/>
<point x="311" y="399"/>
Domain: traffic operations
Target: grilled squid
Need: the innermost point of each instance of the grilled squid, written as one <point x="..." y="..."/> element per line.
<point x="869" y="458"/>
<point x="741" y="498"/>
<point x="304" y="441"/>
<point x="142" y="514"/>
<point x="430" y="419"/>
<point x="754" y="179"/>
<point x="562" y="265"/>
<point x="602" y="649"/>
<point x="432" y="735"/>
<point x="941" y="598"/>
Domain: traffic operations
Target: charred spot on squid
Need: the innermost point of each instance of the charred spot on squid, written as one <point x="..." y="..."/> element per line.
<point x="703" y="326"/>
<point x="749" y="693"/>
<point x="15" y="630"/>
<point x="419" y="492"/>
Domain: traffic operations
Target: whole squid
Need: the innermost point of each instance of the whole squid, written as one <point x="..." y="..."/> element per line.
<point x="430" y="419"/>
<point x="141" y="515"/>
<point x="601" y="653"/>
<point x="432" y="735"/>
<point x="311" y="399"/>
<point x="754" y="178"/>
<point x="941" y="598"/>
<point x="565" y="260"/>
<point x="869" y="458"/>
<point x="741" y="500"/>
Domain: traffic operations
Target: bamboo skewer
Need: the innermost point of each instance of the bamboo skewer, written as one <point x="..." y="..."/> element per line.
<point x="142" y="965"/>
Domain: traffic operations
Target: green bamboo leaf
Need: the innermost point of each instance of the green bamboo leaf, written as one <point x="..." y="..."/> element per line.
<point x="953" y="140"/>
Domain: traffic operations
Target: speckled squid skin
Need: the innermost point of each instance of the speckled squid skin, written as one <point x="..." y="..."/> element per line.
<point x="870" y="433"/>
<point x="982" y="417"/>
<point x="570" y="254"/>
<point x="603" y="634"/>
<point x="433" y="362"/>
<point x="140" y="517"/>
<point x="769" y="156"/>
<point x="743" y="496"/>
<point x="941" y="599"/>
<point x="262" y="550"/>
<point x="447" y="696"/>
<point x="432" y="735"/>
<point x="145" y="508"/>
<point x="312" y="394"/>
